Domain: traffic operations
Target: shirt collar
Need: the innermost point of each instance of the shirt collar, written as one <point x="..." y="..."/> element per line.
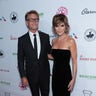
<point x="31" y="33"/>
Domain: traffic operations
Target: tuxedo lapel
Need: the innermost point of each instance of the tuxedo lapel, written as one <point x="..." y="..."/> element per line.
<point x="41" y="41"/>
<point x="28" y="40"/>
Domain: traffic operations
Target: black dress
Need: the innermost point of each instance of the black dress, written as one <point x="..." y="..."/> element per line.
<point x="61" y="72"/>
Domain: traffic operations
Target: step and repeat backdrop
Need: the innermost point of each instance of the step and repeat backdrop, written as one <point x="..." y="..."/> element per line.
<point x="82" y="19"/>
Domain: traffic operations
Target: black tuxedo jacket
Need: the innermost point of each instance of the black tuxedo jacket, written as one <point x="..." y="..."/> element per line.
<point x="27" y="64"/>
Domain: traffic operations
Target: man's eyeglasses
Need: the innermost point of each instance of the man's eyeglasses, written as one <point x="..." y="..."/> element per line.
<point x="33" y="20"/>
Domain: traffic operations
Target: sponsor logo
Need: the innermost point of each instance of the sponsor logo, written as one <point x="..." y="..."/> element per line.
<point x="4" y="70"/>
<point x="4" y="93"/>
<point x="62" y="10"/>
<point x="13" y="38"/>
<point x="3" y="19"/>
<point x="93" y="77"/>
<point x="14" y="53"/>
<point x="82" y="58"/>
<point x="87" y="92"/>
<point x="41" y="14"/>
<point x="74" y="35"/>
<point x="86" y="11"/>
<point x="90" y="34"/>
<point x="1" y="53"/>
<point x="13" y="17"/>
<point x="1" y="37"/>
<point x="5" y="83"/>
<point x="7" y="94"/>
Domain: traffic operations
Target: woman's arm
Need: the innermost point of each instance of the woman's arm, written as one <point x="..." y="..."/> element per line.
<point x="74" y="64"/>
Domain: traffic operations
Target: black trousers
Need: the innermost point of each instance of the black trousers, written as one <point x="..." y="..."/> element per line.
<point x="39" y="88"/>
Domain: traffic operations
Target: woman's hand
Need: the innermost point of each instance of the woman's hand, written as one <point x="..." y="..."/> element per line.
<point x="71" y="85"/>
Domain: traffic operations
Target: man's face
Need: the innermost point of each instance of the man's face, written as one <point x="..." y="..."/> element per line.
<point x="32" y="22"/>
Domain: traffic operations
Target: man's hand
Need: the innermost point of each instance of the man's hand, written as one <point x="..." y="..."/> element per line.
<point x="24" y="82"/>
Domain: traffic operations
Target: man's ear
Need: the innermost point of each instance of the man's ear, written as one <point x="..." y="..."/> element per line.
<point x="26" y="23"/>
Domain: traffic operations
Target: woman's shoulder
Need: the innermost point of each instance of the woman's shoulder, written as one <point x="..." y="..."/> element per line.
<point x="71" y="40"/>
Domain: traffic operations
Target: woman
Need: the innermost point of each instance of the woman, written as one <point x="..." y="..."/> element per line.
<point x="63" y="48"/>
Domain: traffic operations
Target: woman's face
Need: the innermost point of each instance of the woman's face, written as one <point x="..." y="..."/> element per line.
<point x="60" y="29"/>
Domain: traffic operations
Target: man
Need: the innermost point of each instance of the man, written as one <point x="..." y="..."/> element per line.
<point x="33" y="64"/>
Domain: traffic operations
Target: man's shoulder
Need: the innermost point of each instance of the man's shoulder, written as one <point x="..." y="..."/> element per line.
<point x="43" y="33"/>
<point x="23" y="36"/>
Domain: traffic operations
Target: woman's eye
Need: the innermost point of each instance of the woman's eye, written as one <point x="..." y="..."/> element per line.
<point x="62" y="25"/>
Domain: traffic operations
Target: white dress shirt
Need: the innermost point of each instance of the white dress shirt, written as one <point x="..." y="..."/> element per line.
<point x="38" y="41"/>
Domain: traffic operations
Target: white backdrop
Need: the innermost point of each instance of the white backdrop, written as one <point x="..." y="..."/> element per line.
<point x="82" y="19"/>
